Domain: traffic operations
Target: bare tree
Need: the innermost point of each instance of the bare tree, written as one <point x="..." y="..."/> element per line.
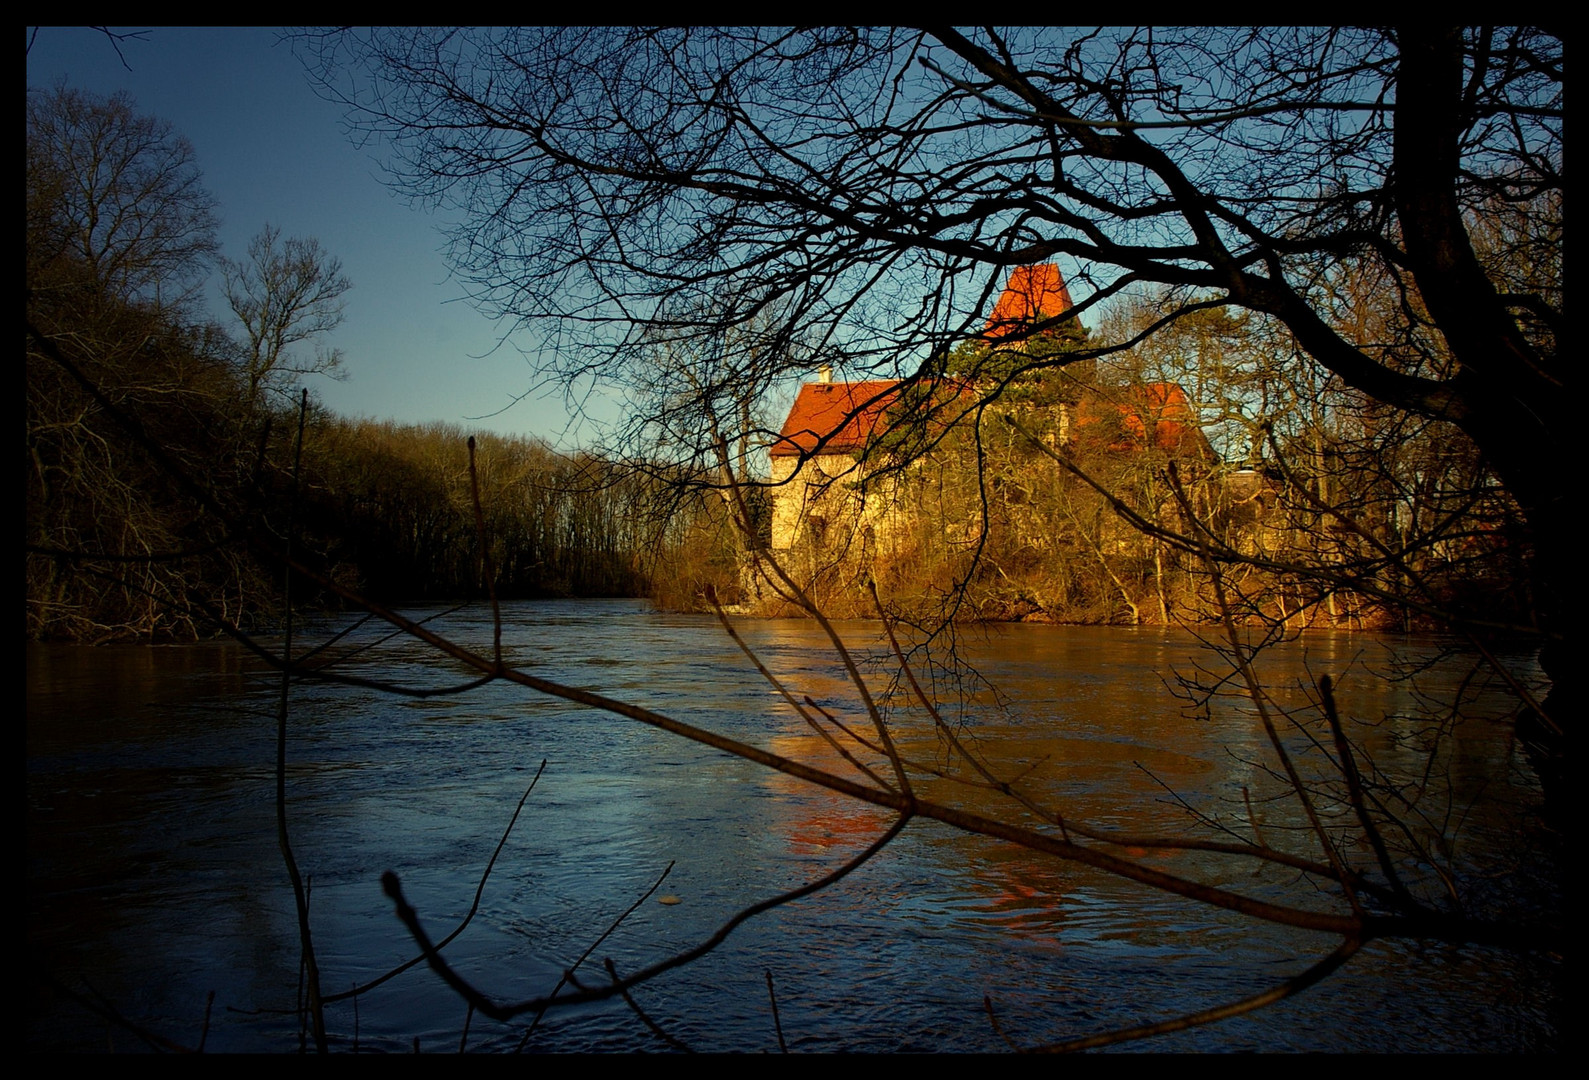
<point x="285" y="294"/>
<point x="116" y="201"/>
<point x="120" y="234"/>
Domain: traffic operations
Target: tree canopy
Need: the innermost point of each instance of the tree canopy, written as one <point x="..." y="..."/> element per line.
<point x="605" y="173"/>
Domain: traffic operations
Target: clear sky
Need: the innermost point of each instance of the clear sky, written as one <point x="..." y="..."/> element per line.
<point x="271" y="151"/>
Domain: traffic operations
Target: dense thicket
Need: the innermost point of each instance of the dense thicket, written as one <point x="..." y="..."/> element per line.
<point x="392" y="510"/>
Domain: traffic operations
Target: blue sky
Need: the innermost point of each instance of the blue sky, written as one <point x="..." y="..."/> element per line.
<point x="271" y="151"/>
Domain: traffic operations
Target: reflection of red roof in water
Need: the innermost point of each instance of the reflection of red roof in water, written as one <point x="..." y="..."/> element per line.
<point x="1033" y="293"/>
<point x="851" y="413"/>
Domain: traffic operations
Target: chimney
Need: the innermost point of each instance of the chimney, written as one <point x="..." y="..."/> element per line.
<point x="825" y="373"/>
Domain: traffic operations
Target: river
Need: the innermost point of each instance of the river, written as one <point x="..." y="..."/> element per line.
<point x="154" y="877"/>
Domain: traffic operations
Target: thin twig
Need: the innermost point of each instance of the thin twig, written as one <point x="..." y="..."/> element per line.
<point x="998" y="1029"/>
<point x="1354" y="790"/>
<point x="487" y="567"/>
<point x="204" y="1032"/>
<point x="410" y="918"/>
<point x="777" y="1023"/>
<point x="804" y="600"/>
<point x="568" y="973"/>
<point x="1412" y="574"/>
<point x="474" y="907"/>
<point x="1197" y="814"/>
<point x="1252" y="819"/>
<point x="316" y="1009"/>
<point x="744" y="647"/>
<point x="838" y="746"/>
<point x="1286" y="989"/>
<point x="629" y="1000"/>
<point x="954" y="740"/>
<point x="1258" y="697"/>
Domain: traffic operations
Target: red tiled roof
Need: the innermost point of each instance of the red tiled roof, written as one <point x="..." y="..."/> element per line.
<point x="851" y="413"/>
<point x="1161" y="406"/>
<point x="1033" y="293"/>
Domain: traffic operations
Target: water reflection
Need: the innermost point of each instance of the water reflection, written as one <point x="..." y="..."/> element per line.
<point x="153" y="870"/>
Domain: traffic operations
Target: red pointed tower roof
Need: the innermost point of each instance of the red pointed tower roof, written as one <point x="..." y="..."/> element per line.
<point x="1033" y="293"/>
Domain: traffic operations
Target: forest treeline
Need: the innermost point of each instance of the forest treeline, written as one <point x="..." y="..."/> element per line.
<point x="392" y="506"/>
<point x="118" y="549"/>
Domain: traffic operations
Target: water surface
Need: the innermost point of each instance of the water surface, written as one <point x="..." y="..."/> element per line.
<point x="154" y="878"/>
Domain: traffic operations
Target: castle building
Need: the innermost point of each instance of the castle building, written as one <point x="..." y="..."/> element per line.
<point x="827" y="487"/>
<point x="818" y="458"/>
